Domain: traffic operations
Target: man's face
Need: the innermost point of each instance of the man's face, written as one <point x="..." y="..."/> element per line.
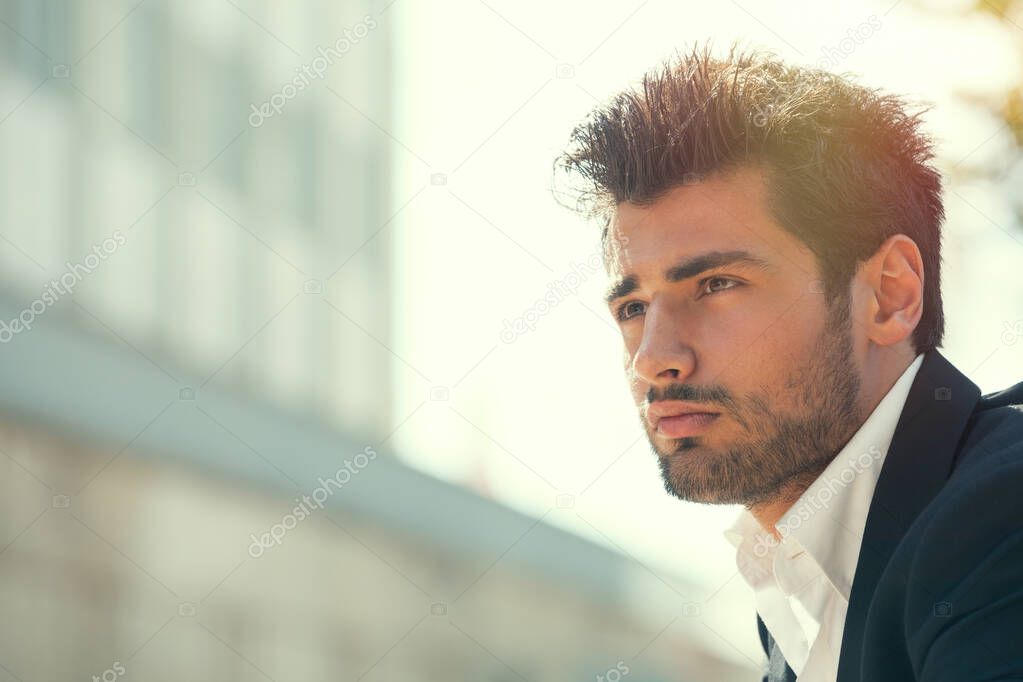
<point x="740" y="328"/>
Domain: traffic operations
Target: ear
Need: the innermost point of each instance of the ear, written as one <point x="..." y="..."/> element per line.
<point x="894" y="280"/>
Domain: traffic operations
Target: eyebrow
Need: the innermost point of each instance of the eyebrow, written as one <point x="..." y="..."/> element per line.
<point x="691" y="267"/>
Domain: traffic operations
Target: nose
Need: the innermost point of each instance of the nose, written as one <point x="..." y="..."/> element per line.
<point x="663" y="356"/>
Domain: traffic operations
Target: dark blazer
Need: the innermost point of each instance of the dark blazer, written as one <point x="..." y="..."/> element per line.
<point x="938" y="591"/>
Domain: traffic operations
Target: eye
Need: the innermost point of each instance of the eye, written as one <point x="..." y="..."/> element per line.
<point x="714" y="290"/>
<point x="623" y="311"/>
<point x="630" y="309"/>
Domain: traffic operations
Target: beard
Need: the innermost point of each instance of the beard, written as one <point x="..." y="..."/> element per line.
<point x="780" y="451"/>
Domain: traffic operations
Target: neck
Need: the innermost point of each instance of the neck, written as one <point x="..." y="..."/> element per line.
<point x="769" y="513"/>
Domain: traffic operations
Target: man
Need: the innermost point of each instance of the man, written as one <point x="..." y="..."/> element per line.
<point x="772" y="236"/>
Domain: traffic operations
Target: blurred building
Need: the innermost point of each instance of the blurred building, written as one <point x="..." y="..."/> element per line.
<point x="195" y="300"/>
<point x="160" y="532"/>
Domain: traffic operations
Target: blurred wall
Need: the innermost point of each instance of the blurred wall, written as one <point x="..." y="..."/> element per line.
<point x="195" y="315"/>
<point x="215" y="205"/>
<point x="226" y="540"/>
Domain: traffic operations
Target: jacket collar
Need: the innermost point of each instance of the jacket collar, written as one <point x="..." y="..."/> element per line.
<point x="919" y="461"/>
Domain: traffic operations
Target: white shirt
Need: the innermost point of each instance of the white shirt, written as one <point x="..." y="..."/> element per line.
<point x="801" y="583"/>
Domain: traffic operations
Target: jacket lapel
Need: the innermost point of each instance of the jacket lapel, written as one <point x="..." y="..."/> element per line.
<point x="918" y="463"/>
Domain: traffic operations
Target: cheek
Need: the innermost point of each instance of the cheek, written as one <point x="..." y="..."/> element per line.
<point x="630" y="344"/>
<point x="765" y="345"/>
<point x="636" y="388"/>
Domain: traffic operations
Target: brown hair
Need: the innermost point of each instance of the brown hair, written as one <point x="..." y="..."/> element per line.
<point x="846" y="166"/>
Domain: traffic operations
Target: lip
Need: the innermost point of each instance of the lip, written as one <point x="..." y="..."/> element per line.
<point x="678" y="419"/>
<point x="684" y="425"/>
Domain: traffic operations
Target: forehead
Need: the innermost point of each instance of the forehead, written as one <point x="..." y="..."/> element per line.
<point x="719" y="213"/>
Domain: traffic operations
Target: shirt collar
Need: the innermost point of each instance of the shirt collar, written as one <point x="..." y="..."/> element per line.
<point x="828" y="519"/>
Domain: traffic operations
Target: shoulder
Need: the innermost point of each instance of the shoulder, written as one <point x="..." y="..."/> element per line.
<point x="983" y="488"/>
<point x="993" y="434"/>
<point x="949" y="604"/>
<point x="981" y="503"/>
<point x="963" y="556"/>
